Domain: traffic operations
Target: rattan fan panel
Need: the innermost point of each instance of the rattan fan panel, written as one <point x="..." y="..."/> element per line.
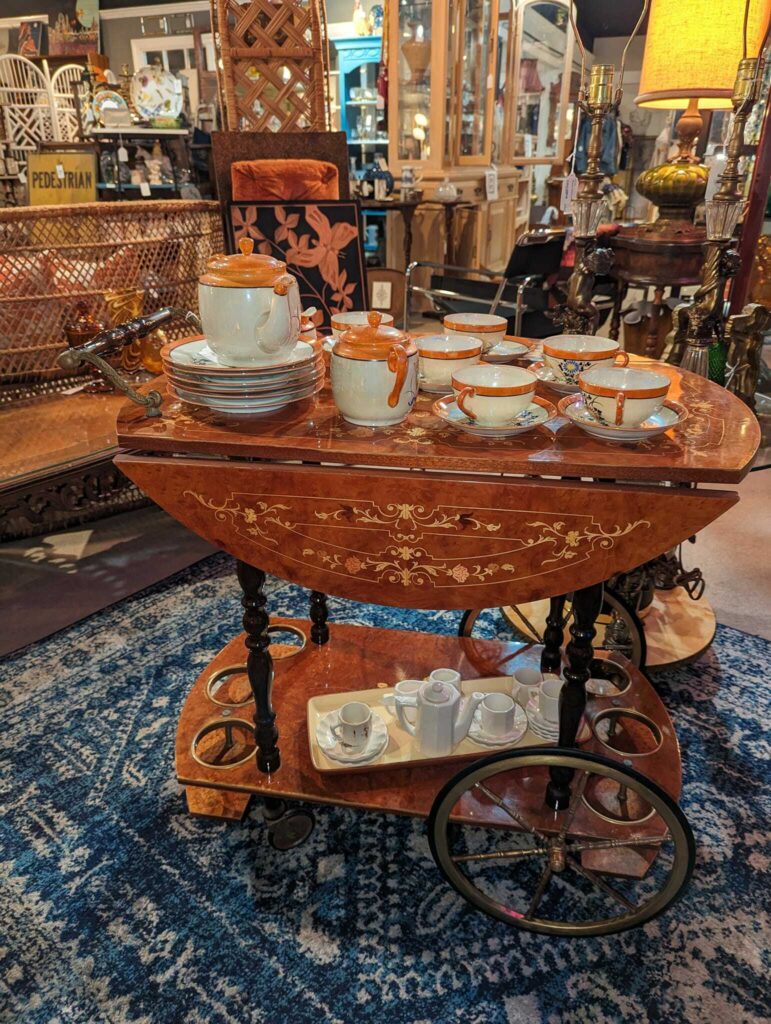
<point x="274" y="64"/>
<point x="50" y="258"/>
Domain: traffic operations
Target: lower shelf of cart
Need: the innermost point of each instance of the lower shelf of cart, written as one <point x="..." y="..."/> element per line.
<point x="365" y="658"/>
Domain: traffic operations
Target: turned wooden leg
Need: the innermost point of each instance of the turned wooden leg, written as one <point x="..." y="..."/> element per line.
<point x="553" y="635"/>
<point x="615" y="316"/>
<point x="587" y="604"/>
<point x="319" y="616"/>
<point x="652" y="341"/>
<point x="259" y="665"/>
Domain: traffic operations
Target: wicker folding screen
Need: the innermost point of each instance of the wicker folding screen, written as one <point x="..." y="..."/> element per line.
<point x="274" y="64"/>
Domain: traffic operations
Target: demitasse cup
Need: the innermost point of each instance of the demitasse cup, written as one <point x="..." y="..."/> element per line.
<point x="492" y="395"/>
<point x="358" y="318"/>
<point x="354" y="725"/>
<point x="622" y="397"/>
<point x="496" y="715"/>
<point x="565" y="356"/>
<point x="405" y="688"/>
<point x="527" y="683"/>
<point x="549" y="699"/>
<point x="487" y="327"/>
<point x="442" y="355"/>
<point x="448" y="676"/>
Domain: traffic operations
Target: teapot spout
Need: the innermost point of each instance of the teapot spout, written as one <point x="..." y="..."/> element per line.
<point x="466" y="716"/>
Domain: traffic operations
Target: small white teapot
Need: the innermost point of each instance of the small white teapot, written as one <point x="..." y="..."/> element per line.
<point x="250" y="307"/>
<point x="443" y="718"/>
<point x="374" y="371"/>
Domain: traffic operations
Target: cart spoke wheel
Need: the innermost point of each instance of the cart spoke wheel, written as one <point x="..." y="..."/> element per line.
<point x="567" y="872"/>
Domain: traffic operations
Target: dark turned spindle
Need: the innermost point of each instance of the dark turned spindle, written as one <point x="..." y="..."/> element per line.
<point x="319" y="616"/>
<point x="587" y="604"/>
<point x="259" y="665"/>
<point x="553" y="636"/>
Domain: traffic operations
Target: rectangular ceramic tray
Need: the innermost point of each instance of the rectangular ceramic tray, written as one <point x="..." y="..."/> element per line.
<point x="400" y="753"/>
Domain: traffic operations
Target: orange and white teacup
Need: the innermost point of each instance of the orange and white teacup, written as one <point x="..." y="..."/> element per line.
<point x="357" y="318"/>
<point x="491" y="394"/>
<point x="442" y="355"/>
<point x="487" y="327"/>
<point x="565" y="356"/>
<point x="622" y="397"/>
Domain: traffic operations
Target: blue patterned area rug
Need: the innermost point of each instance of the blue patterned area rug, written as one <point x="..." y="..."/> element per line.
<point x="116" y="906"/>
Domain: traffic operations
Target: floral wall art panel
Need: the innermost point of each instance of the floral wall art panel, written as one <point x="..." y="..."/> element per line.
<point x="321" y="245"/>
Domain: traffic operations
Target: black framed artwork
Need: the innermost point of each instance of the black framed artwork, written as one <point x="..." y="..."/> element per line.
<point x="321" y="244"/>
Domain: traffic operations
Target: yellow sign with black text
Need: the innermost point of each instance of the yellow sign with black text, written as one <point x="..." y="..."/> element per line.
<point x="61" y="178"/>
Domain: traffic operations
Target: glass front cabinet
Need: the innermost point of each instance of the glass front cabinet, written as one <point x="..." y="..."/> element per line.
<point x="472" y="84"/>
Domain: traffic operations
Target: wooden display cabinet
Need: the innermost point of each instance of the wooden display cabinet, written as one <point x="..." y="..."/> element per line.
<point x="474" y="83"/>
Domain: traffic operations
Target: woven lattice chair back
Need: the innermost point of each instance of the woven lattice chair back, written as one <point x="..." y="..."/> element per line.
<point x="274" y="74"/>
<point x="63" y="81"/>
<point x="27" y="106"/>
<point x="51" y="258"/>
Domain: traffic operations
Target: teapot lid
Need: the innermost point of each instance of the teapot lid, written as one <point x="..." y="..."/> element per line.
<point x="436" y="692"/>
<point x="372" y="340"/>
<point x="247" y="269"/>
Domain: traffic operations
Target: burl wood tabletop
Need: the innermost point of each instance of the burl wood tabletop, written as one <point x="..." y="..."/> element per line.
<point x="715" y="444"/>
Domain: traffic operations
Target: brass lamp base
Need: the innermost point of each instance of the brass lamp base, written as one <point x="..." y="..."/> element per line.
<point x="676" y="188"/>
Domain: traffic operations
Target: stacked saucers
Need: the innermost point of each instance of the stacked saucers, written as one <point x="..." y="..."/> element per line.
<point x="196" y="375"/>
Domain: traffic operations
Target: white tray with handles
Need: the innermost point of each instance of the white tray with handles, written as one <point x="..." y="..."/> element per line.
<point x="399" y="751"/>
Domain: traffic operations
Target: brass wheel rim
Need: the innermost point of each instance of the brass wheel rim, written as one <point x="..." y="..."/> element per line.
<point x="678" y="836"/>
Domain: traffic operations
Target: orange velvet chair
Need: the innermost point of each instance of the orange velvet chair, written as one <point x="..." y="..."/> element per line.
<point x="284" y="180"/>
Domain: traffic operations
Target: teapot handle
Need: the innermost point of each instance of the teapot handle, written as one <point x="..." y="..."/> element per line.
<point x="397" y="363"/>
<point x="399" y="705"/>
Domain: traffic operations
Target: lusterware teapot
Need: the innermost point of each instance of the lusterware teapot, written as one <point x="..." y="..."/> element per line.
<point x="250" y="307"/>
<point x="443" y="717"/>
<point x="374" y="372"/>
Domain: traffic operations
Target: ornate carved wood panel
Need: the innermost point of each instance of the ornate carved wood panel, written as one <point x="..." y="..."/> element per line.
<point x="423" y="540"/>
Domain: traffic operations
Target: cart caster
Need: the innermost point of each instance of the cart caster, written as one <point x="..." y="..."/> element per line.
<point x="509" y="854"/>
<point x="619" y="628"/>
<point x="290" y="830"/>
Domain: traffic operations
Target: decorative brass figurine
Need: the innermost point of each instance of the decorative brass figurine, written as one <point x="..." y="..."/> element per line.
<point x="744" y="332"/>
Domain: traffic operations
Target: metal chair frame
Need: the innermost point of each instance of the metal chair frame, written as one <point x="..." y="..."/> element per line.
<point x="504" y="279"/>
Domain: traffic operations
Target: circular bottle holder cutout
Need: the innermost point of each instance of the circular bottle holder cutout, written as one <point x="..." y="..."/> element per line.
<point x="627" y="731"/>
<point x="286" y="641"/>
<point x="615" y="802"/>
<point x="229" y="687"/>
<point x="608" y="679"/>
<point x="224" y="743"/>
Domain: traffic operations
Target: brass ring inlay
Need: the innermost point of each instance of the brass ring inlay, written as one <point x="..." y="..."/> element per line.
<point x="614" y="714"/>
<point x="228" y="726"/>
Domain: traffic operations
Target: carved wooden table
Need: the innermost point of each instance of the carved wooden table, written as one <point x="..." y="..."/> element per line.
<point x="420" y="516"/>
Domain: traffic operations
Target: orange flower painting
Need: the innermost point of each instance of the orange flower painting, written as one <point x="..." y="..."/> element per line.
<point x="320" y="244"/>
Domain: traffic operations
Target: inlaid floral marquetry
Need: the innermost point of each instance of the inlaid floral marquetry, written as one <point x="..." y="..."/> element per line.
<point x="423" y="540"/>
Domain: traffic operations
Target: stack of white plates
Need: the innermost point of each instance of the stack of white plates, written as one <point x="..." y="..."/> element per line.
<point x="196" y="375"/>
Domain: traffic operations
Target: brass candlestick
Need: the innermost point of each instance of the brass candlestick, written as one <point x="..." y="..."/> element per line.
<point x="580" y="315"/>
<point x="704" y="321"/>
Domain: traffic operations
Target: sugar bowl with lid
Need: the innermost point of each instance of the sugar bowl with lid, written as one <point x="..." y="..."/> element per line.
<point x="250" y="307"/>
<point x="374" y="371"/>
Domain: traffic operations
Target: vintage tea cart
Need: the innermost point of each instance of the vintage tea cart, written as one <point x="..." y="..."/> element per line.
<point x="584" y="838"/>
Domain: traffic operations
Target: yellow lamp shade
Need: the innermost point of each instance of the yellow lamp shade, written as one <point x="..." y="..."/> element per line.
<point x="693" y="48"/>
